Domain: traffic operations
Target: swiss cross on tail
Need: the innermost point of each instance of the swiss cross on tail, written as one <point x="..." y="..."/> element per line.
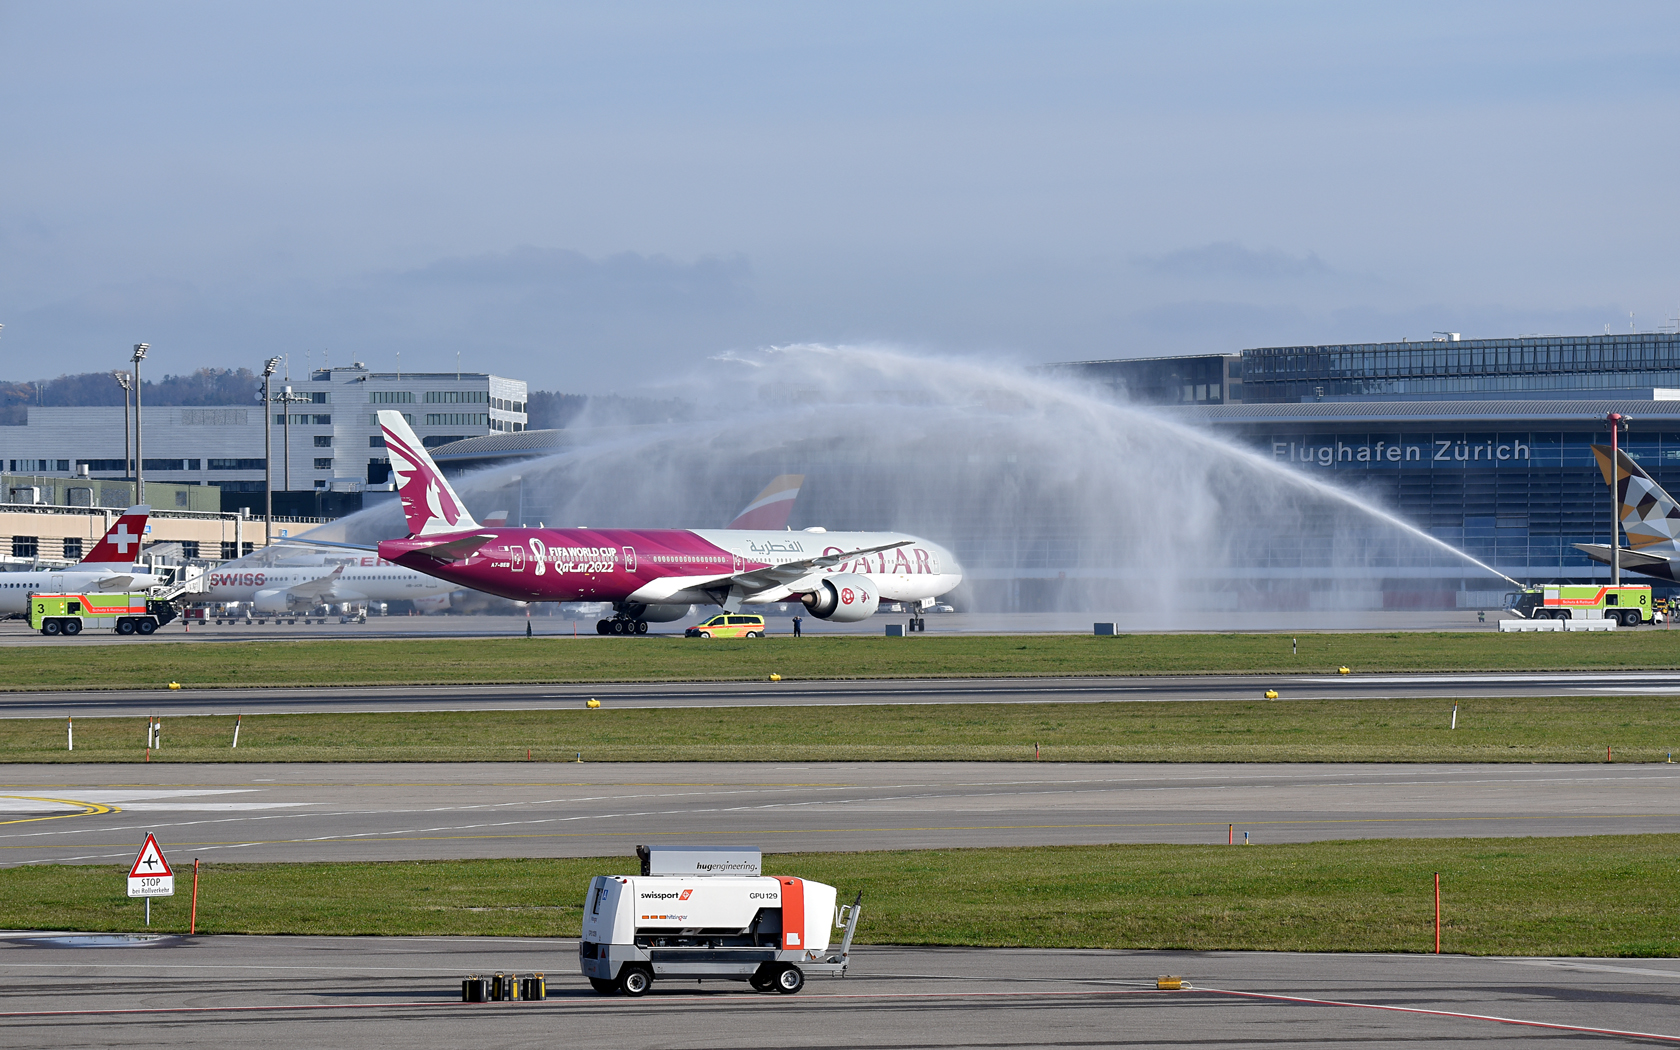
<point x="151" y="875"/>
<point x="121" y="544"/>
<point x="429" y="504"/>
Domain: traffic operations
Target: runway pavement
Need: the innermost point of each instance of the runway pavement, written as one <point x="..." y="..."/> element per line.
<point x="99" y="814"/>
<point x="1152" y="621"/>
<point x="87" y="704"/>
<point x="347" y="992"/>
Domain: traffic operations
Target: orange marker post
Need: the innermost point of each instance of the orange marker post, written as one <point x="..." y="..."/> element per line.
<point x="192" y="924"/>
<point x="1437" y="913"/>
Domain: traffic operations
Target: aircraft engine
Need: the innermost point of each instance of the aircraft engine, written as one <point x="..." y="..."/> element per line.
<point x="652" y="613"/>
<point x="844" y="598"/>
<point x="432" y="603"/>
<point x="273" y="600"/>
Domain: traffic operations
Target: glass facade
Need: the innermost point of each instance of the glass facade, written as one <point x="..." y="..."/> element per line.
<point x="1473" y="367"/>
<point x="1199" y="380"/>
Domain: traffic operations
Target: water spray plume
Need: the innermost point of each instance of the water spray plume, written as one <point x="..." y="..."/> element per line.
<point x="1027" y="477"/>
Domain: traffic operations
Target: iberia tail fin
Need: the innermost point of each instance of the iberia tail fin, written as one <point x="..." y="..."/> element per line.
<point x="428" y="501"/>
<point x="1650" y="517"/>
<point x="119" y="548"/>
<point x="770" y="508"/>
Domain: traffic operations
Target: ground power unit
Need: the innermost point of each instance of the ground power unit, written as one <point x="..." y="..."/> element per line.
<point x="697" y="914"/>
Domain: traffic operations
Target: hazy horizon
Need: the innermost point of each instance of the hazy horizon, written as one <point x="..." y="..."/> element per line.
<point x="593" y="198"/>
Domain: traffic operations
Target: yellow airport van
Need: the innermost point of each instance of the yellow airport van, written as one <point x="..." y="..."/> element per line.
<point x="728" y="625"/>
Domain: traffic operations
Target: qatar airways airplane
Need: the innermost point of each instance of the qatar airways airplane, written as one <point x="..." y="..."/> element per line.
<point x="654" y="574"/>
<point x="108" y="567"/>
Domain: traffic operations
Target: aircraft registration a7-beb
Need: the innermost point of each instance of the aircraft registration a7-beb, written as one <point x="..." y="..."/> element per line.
<point x="653" y="574"/>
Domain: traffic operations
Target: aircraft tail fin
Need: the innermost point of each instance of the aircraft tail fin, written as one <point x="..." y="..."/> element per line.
<point x="770" y="508"/>
<point x="429" y="503"/>
<point x="121" y="543"/>
<point x="1650" y="517"/>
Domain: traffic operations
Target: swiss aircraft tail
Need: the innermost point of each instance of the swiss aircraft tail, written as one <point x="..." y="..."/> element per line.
<point x="1650" y="517"/>
<point x="428" y="501"/>
<point x="119" y="548"/>
<point x="770" y="508"/>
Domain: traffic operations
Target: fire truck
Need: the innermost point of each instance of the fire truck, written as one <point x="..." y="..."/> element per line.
<point x="1628" y="606"/>
<point x="127" y="613"/>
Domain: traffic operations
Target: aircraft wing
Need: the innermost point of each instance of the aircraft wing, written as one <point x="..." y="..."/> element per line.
<point x="732" y="588"/>
<point x="1633" y="561"/>
<point x="789" y="571"/>
<point x="321" y="587"/>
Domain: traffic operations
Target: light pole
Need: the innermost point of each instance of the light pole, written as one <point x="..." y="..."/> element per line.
<point x="268" y="451"/>
<point x="286" y="399"/>
<point x="123" y="380"/>
<point x="1618" y="423"/>
<point x="139" y="452"/>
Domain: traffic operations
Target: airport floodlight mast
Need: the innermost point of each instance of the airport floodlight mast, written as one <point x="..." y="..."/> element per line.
<point x="125" y="380"/>
<point x="139" y="453"/>
<point x="1618" y="424"/>
<point x="267" y="396"/>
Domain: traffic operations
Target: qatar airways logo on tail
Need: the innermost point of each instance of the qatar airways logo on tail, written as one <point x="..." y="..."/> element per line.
<point x="420" y="487"/>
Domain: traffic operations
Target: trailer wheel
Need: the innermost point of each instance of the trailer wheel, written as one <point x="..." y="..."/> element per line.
<point x="602" y="985"/>
<point x="763" y="979"/>
<point x="635" y="980"/>
<point x="125" y="626"/>
<point x="145" y="626"/>
<point x="72" y="627"/>
<point x="50" y="627"/>
<point x="790" y="980"/>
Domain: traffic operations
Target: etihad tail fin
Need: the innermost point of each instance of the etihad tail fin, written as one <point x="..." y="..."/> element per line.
<point x="1650" y="517"/>
<point x="428" y="501"/>
<point x="770" y="508"/>
<point x="120" y="546"/>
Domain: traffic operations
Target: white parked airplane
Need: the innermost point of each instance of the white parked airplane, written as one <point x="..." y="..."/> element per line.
<point x="109" y="567"/>
<point x="292" y="579"/>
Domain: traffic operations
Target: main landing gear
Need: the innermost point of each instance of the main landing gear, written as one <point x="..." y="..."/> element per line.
<point x="621" y="625"/>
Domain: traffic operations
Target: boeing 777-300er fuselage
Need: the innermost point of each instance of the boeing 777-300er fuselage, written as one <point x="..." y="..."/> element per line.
<point x="841" y="576"/>
<point x="109" y="567"/>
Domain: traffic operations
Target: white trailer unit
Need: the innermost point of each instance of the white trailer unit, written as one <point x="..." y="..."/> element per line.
<point x="770" y="931"/>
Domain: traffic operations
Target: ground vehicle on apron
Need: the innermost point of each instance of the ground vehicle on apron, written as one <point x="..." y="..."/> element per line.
<point x="1629" y="606"/>
<point x="70" y="614"/>
<point x="708" y="914"/>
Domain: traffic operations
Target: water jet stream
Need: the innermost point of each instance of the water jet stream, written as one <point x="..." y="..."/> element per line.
<point x="1024" y="475"/>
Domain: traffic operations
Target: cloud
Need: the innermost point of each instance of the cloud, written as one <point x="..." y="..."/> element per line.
<point x="1224" y="259"/>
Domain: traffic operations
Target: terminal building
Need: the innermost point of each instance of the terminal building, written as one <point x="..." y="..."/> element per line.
<point x="326" y="437"/>
<point x="1483" y="443"/>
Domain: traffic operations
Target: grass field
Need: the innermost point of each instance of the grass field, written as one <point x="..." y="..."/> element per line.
<point x="1559" y="729"/>
<point x="1603" y="896"/>
<point x="135" y="664"/>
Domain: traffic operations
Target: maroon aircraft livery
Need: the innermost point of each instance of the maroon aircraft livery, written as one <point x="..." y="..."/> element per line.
<point x="656" y="574"/>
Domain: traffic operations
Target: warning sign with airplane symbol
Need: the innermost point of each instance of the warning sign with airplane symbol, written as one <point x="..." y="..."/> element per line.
<point x="151" y="876"/>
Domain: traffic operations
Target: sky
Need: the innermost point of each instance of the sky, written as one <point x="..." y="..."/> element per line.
<point x="597" y="197"/>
